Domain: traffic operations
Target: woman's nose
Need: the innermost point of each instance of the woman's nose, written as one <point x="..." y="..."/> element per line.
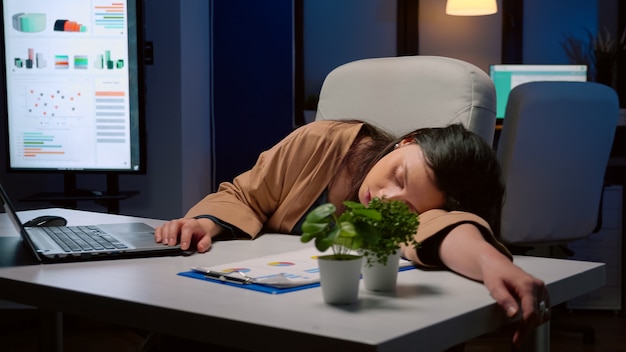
<point x="391" y="194"/>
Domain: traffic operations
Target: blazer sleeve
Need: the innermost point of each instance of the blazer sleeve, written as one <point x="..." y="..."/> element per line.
<point x="284" y="182"/>
<point x="437" y="223"/>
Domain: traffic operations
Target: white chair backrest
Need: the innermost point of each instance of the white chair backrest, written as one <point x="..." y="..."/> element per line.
<point x="401" y="94"/>
<point x="554" y="148"/>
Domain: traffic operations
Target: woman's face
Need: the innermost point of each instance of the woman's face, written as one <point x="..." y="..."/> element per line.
<point x="403" y="175"/>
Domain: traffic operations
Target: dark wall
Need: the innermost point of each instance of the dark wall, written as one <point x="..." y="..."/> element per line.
<point x="621" y="62"/>
<point x="253" y="66"/>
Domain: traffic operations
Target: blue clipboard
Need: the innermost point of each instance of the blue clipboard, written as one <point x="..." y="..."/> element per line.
<point x="249" y="286"/>
<point x="260" y="288"/>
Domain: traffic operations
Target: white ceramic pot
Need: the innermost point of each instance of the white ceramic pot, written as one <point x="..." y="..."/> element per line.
<point x="340" y="279"/>
<point x="381" y="277"/>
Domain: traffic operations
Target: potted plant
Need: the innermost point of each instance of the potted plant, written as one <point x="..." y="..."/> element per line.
<point x="600" y="52"/>
<point x="343" y="234"/>
<point x="374" y="231"/>
<point x="397" y="225"/>
<point x="340" y="272"/>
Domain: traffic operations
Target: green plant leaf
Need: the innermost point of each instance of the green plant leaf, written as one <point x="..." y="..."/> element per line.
<point x="314" y="228"/>
<point x="321" y="213"/>
<point x="369" y="213"/>
<point x="353" y="205"/>
<point x="323" y="243"/>
<point x="307" y="237"/>
<point x="347" y="229"/>
<point x="367" y="232"/>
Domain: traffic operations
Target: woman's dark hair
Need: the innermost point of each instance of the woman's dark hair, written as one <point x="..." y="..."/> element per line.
<point x="369" y="146"/>
<point x="466" y="170"/>
<point x="465" y="167"/>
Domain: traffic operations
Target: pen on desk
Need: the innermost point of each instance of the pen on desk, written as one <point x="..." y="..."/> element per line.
<point x="226" y="277"/>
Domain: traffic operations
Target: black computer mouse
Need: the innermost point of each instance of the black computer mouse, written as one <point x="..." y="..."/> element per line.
<point x="46" y="220"/>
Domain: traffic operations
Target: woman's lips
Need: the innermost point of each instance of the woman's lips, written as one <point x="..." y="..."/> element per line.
<point x="368" y="197"/>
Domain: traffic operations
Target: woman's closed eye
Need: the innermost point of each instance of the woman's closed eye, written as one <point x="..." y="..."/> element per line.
<point x="402" y="181"/>
<point x="403" y="175"/>
<point x="398" y="176"/>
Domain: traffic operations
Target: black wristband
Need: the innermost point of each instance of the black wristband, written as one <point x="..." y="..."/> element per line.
<point x="231" y="230"/>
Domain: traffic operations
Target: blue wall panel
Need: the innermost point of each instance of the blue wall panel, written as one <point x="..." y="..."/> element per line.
<point x="253" y="87"/>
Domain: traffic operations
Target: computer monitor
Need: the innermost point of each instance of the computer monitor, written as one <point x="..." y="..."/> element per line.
<point x="506" y="77"/>
<point x="72" y="80"/>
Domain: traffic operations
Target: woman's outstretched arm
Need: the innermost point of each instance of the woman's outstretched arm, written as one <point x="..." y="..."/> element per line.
<point x="465" y="251"/>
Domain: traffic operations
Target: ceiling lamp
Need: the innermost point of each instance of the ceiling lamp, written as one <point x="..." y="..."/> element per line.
<point x="471" y="7"/>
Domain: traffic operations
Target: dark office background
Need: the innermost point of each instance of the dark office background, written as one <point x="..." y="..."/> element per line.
<point x="229" y="78"/>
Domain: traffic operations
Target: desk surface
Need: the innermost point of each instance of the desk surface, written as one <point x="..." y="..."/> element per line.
<point x="430" y="309"/>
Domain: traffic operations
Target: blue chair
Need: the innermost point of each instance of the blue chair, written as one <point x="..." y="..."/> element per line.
<point x="554" y="149"/>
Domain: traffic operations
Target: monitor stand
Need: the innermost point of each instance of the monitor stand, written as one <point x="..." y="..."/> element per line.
<point x="71" y="194"/>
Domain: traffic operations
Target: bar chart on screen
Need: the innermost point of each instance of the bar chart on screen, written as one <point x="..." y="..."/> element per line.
<point x="109" y="16"/>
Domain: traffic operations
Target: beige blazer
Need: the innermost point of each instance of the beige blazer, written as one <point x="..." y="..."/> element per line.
<point x="287" y="179"/>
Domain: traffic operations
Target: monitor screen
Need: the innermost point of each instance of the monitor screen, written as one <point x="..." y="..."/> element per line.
<point x="72" y="85"/>
<point x="507" y="77"/>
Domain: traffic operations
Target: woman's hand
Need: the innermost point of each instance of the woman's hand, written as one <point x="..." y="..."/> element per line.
<point x="465" y="251"/>
<point x="188" y="232"/>
<point x="518" y="292"/>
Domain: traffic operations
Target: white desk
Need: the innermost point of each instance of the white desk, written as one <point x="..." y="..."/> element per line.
<point x="430" y="310"/>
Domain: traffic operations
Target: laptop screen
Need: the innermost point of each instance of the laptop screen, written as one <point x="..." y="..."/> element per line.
<point x="506" y="77"/>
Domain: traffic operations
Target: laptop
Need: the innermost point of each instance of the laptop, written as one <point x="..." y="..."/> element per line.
<point x="57" y="244"/>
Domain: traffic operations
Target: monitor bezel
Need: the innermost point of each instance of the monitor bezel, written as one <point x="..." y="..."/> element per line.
<point x="534" y="67"/>
<point x="136" y="52"/>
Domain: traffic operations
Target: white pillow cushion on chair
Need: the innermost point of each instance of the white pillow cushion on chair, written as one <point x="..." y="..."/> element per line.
<point x="401" y="94"/>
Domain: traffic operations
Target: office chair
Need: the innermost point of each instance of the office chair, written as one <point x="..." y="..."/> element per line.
<point x="401" y="94"/>
<point x="554" y="148"/>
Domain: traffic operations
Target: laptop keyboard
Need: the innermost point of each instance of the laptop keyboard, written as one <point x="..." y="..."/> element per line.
<point x="82" y="238"/>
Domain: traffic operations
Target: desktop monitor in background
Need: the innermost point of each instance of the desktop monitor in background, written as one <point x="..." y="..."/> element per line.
<point x="506" y="77"/>
<point x="72" y="86"/>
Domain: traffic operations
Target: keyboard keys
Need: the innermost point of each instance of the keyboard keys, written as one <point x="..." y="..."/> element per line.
<point x="82" y="238"/>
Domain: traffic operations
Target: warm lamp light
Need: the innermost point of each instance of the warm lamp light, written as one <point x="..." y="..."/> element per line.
<point x="471" y="7"/>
